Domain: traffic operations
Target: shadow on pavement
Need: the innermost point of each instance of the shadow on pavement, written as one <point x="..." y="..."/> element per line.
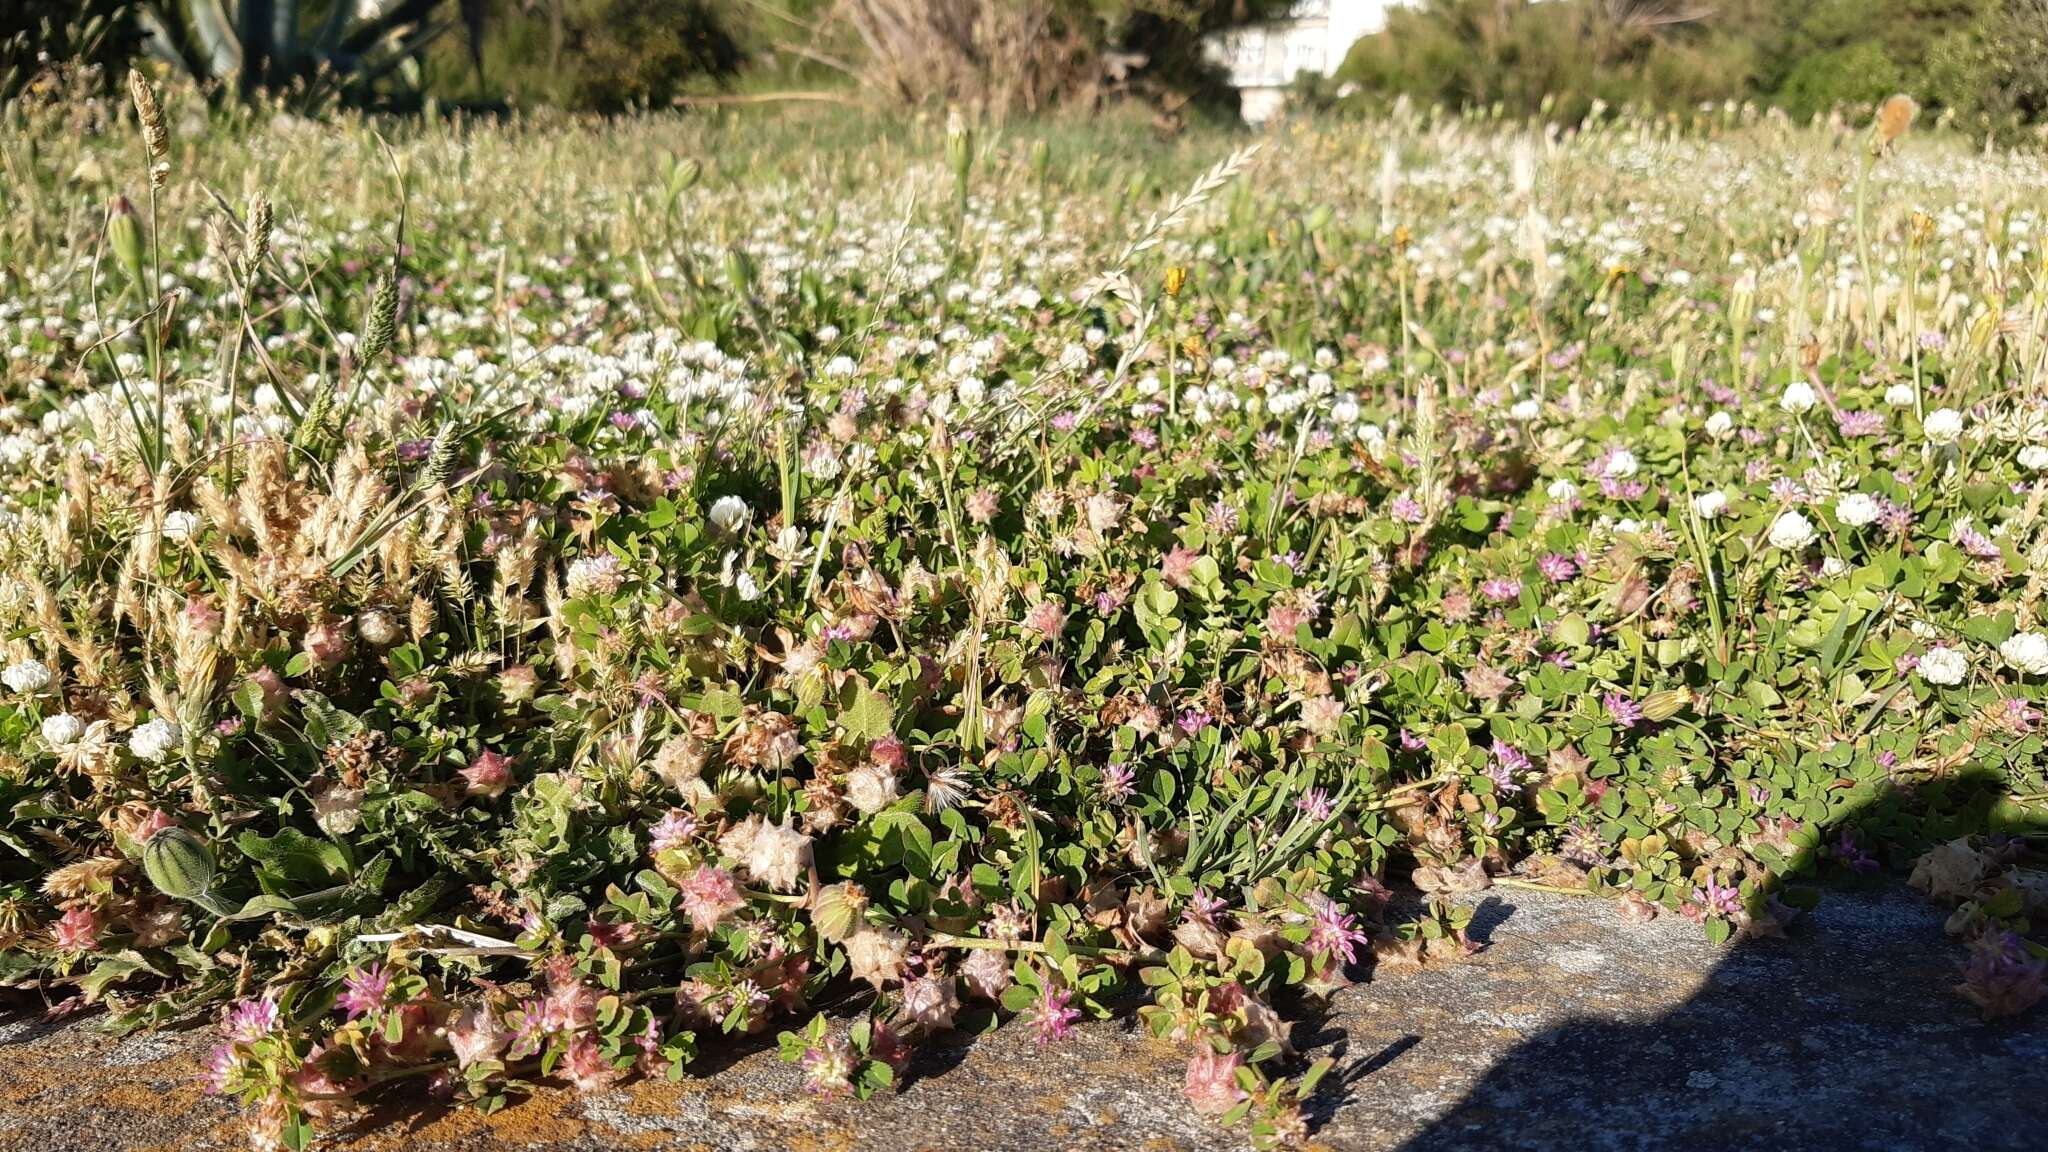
<point x="1842" y="1034"/>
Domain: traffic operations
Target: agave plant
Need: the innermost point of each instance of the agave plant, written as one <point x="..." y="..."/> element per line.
<point x="332" y="48"/>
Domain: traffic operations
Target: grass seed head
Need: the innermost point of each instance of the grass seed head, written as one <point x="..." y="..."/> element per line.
<point x="156" y="138"/>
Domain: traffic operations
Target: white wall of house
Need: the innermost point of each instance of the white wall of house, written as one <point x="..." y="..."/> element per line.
<point x="1314" y="37"/>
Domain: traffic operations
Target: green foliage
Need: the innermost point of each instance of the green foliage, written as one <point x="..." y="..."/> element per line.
<point x="1983" y="60"/>
<point x="1995" y="70"/>
<point x="736" y="573"/>
<point x="639" y="52"/>
<point x="588" y="55"/>
<point x="37" y="34"/>
<point x="1481" y="52"/>
<point x="1856" y="73"/>
<point x="321" y="51"/>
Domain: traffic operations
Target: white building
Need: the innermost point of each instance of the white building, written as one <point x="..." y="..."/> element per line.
<point x="1314" y="37"/>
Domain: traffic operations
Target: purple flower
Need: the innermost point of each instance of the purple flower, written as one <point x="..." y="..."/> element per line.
<point x="223" y="1068"/>
<point x="1557" y="567"/>
<point x="532" y="1031"/>
<point x="1718" y="899"/>
<point x="677" y="827"/>
<point x="1976" y="543"/>
<point x="1333" y="932"/>
<point x="1508" y="763"/>
<point x="250" y="1020"/>
<point x="1854" y="425"/>
<point x="1405" y="509"/>
<point x="1204" y="908"/>
<point x="1583" y="844"/>
<point x="1623" y="710"/>
<point x="364" y="991"/>
<point x="1847" y="851"/>
<point x="1117" y="782"/>
<point x="1500" y="590"/>
<point x="1194" y="720"/>
<point x="1053" y="1016"/>
<point x="1410" y="742"/>
<point x="1316" y="802"/>
<point x="2001" y="976"/>
<point x="829" y="1067"/>
<point x="1895" y="518"/>
<point x="1786" y="490"/>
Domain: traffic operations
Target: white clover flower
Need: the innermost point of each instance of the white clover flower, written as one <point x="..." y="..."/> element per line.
<point x="1562" y="489"/>
<point x="63" y="729"/>
<point x="2027" y="653"/>
<point x="1791" y="531"/>
<point x="1943" y="426"/>
<point x="1720" y="425"/>
<point x="1798" y="397"/>
<point x="729" y="513"/>
<point x="180" y="525"/>
<point x="870" y="788"/>
<point x="1833" y="566"/>
<point x="1943" y="666"/>
<point x="748" y="587"/>
<point x="776" y="855"/>
<point x="1899" y="395"/>
<point x="27" y="676"/>
<point x="590" y="576"/>
<point x="2034" y="457"/>
<point x="1710" y="504"/>
<point x="155" y="740"/>
<point x="1525" y="410"/>
<point x="1856" y="509"/>
<point x="1621" y="464"/>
